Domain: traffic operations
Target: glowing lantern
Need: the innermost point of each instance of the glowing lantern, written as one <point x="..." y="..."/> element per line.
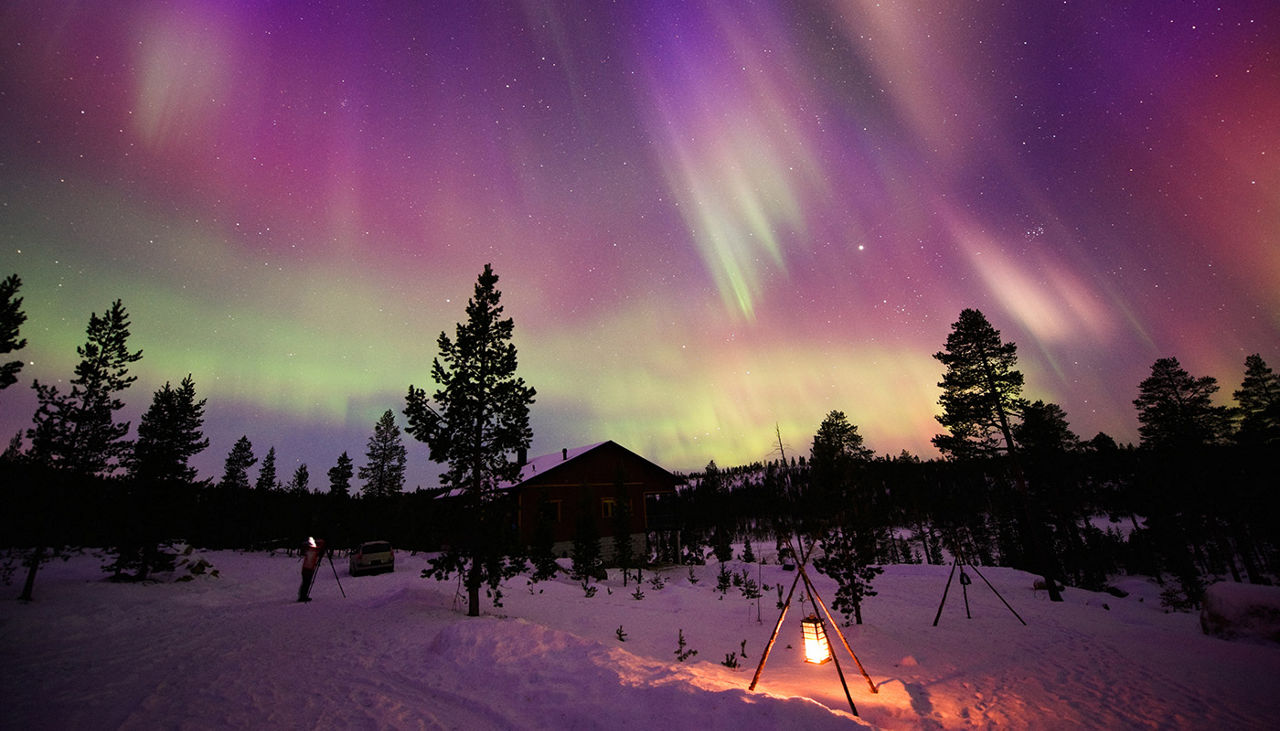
<point x="816" y="648"/>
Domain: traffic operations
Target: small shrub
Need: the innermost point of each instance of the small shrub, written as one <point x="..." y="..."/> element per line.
<point x="683" y="654"/>
<point x="724" y="579"/>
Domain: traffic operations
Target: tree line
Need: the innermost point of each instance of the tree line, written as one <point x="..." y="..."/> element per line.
<point x="1014" y="485"/>
<point x="82" y="481"/>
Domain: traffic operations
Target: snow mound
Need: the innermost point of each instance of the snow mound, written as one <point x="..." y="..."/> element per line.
<point x="555" y="679"/>
<point x="1233" y="610"/>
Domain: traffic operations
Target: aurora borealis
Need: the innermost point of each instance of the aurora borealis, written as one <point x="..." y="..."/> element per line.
<point x="708" y="218"/>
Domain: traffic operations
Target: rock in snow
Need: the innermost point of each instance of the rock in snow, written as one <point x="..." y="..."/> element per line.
<point x="1233" y="610"/>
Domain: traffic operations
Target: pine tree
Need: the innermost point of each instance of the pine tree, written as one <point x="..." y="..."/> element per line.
<point x="1176" y="410"/>
<point x="340" y="477"/>
<point x="981" y="399"/>
<point x="846" y="557"/>
<point x="837" y="440"/>
<point x="301" y="482"/>
<point x="981" y="389"/>
<point x="11" y="319"/>
<point x="235" y="475"/>
<point x="383" y="473"/>
<point x="77" y="431"/>
<point x="1258" y="403"/>
<point x="837" y="451"/>
<point x="480" y="420"/>
<point x="268" y="479"/>
<point x="1044" y="429"/>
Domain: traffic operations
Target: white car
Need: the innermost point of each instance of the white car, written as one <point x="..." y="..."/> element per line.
<point x="373" y="557"/>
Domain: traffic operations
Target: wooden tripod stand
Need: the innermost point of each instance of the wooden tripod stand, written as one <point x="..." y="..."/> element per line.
<point x="956" y="560"/>
<point x="816" y="600"/>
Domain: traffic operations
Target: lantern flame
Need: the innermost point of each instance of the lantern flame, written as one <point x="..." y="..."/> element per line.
<point x="816" y="648"/>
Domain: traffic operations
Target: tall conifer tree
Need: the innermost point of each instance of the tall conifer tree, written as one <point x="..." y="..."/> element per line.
<point x="300" y="484"/>
<point x="235" y="473"/>
<point x="77" y="431"/>
<point x="1176" y="410"/>
<point x="981" y="403"/>
<point x="383" y="472"/>
<point x="340" y="476"/>
<point x="479" y="421"/>
<point x="981" y="390"/>
<point x="268" y="477"/>
<point x="169" y="435"/>
<point x="1258" y="403"/>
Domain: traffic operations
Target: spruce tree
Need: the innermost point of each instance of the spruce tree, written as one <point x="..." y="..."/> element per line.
<point x="340" y="477"/>
<point x="1258" y="403"/>
<point x="1176" y="410"/>
<point x="11" y="319"/>
<point x="268" y="479"/>
<point x="479" y="421"/>
<point x="235" y="474"/>
<point x="77" y="431"/>
<point x="383" y="472"/>
<point x="301" y="482"/>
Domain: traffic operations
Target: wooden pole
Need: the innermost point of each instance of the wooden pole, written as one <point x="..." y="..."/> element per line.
<point x="781" y="616"/>
<point x="834" y="657"/>
<point x="993" y="590"/>
<point x="945" y="589"/>
<point x="773" y="637"/>
<point x="813" y="596"/>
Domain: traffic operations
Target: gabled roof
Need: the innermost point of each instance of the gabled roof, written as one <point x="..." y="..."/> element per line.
<point x="540" y="465"/>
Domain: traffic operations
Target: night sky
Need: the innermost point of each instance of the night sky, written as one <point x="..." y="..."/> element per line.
<point x="708" y="218"/>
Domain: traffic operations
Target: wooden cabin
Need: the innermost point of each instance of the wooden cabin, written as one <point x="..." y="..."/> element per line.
<point x="596" y="478"/>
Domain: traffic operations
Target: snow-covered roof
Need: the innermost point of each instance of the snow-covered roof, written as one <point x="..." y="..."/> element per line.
<point x="539" y="465"/>
<point x="536" y="466"/>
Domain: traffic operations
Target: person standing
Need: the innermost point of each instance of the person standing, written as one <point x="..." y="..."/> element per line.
<point x="310" y="560"/>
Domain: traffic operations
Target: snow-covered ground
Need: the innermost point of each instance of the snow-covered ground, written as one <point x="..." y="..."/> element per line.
<point x="238" y="651"/>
